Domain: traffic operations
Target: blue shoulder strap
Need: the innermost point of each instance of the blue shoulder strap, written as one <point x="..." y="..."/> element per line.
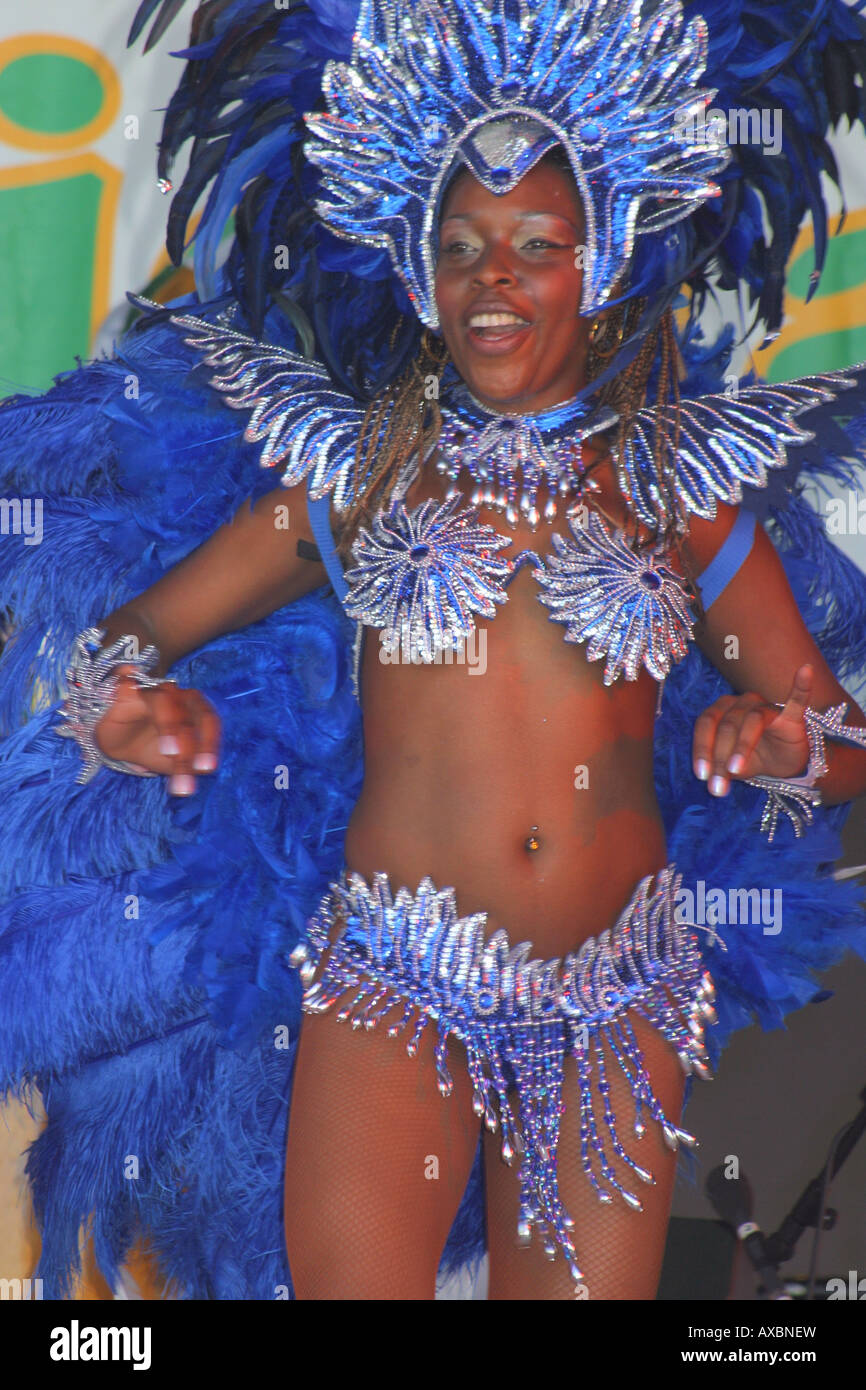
<point x="320" y="524"/>
<point x="724" y="565"/>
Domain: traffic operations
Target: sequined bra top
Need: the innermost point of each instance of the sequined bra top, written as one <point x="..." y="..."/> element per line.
<point x="422" y="576"/>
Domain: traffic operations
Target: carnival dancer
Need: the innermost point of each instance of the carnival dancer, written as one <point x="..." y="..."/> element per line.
<point x="512" y="500"/>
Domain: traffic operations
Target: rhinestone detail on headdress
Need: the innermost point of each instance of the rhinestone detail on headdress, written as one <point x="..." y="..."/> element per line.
<point x="613" y="84"/>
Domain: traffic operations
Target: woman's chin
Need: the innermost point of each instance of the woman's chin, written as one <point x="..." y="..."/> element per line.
<point x="498" y="385"/>
<point x="500" y="392"/>
<point x="510" y="382"/>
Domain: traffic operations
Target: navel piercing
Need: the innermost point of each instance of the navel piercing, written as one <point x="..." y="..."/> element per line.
<point x="532" y="843"/>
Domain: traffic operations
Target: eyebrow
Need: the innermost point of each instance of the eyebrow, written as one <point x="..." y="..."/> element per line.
<point x="523" y="216"/>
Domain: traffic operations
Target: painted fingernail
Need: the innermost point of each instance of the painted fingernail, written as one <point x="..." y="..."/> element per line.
<point x="181" y="785"/>
<point x="204" y="762"/>
<point x="737" y="763"/>
<point x="702" y="769"/>
<point x="168" y="746"/>
<point x="718" y="786"/>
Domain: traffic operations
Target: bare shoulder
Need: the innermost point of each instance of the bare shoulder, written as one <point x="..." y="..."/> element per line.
<point x="705" y="538"/>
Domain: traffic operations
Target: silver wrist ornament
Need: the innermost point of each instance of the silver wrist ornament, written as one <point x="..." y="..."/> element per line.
<point x="797" y="796"/>
<point x="91" y="678"/>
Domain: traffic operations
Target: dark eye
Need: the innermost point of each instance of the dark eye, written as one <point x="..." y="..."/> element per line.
<point x="456" y="246"/>
<point x="542" y="241"/>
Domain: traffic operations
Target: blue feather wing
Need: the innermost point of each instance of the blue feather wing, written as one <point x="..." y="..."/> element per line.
<point x="144" y="983"/>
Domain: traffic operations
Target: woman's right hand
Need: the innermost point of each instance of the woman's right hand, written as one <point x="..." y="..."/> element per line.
<point x="168" y="730"/>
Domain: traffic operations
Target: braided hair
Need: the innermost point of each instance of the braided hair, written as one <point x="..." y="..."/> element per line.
<point x="409" y="410"/>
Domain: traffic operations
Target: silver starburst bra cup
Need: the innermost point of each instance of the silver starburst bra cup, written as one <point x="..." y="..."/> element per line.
<point x="433" y="86"/>
<point x="627" y="606"/>
<point x="421" y="576"/>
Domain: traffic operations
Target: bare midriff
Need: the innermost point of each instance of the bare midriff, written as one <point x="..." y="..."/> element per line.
<point x="463" y="760"/>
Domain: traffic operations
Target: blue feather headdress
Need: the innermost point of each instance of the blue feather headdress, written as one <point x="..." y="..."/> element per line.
<point x="494" y="86"/>
<point x="253" y="73"/>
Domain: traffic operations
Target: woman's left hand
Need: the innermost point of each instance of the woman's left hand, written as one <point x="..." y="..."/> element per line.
<point x="742" y="736"/>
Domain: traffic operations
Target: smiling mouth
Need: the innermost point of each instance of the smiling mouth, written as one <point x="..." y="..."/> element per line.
<point x="492" y="327"/>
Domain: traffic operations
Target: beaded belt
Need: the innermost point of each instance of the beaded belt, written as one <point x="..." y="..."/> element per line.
<point x="519" y="1018"/>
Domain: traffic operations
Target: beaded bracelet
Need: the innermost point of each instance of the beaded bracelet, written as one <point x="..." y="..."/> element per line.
<point x="798" y="796"/>
<point x="92" y="677"/>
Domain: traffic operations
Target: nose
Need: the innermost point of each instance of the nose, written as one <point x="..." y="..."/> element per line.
<point x="495" y="266"/>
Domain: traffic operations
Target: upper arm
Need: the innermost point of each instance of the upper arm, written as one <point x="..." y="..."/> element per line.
<point x="754" y="632"/>
<point x="247" y="569"/>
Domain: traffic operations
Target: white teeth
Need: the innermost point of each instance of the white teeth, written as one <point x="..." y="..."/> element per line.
<point x="493" y="320"/>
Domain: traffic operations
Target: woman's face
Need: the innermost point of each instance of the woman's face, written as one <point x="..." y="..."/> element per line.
<point x="514" y="254"/>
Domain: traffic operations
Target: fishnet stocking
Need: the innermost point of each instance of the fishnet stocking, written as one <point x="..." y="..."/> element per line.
<point x="367" y="1217"/>
<point x="619" y="1251"/>
<point x="377" y="1162"/>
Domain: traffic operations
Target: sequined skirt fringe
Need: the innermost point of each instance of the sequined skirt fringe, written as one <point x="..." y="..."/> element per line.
<point x="518" y="1018"/>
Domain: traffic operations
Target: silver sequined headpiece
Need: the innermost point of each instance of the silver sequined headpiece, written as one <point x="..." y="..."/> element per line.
<point x="493" y="85"/>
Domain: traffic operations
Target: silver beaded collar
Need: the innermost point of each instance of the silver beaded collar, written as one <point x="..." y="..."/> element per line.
<point x="507" y="454"/>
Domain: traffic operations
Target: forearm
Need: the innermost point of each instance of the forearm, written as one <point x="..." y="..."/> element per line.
<point x="758" y="645"/>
